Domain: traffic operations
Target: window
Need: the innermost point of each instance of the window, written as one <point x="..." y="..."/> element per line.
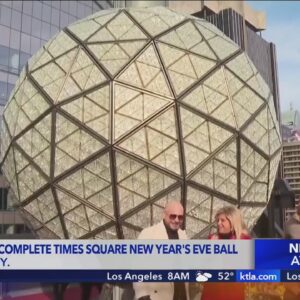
<point x="35" y="45"/>
<point x="46" y="31"/>
<point x="4" y="57"/>
<point x="46" y="13"/>
<point x="14" y="59"/>
<point x="5" y="15"/>
<point x="37" y="9"/>
<point x="4" y="33"/>
<point x="25" y="43"/>
<point x="21" y="228"/>
<point x="9" y="89"/>
<point x="17" y="5"/>
<point x="55" y="17"/>
<point x="27" y="7"/>
<point x="3" y="198"/>
<point x="3" y="92"/>
<point x="36" y="27"/>
<point x="26" y="24"/>
<point x="15" y="37"/>
<point x="16" y="17"/>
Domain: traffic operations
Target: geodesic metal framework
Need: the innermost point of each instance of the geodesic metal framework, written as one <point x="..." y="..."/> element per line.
<point x="128" y="109"/>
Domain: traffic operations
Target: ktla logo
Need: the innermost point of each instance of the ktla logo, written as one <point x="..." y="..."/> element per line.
<point x="202" y="276"/>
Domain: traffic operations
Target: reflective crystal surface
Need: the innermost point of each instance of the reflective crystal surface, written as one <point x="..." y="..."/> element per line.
<point x="128" y="109"/>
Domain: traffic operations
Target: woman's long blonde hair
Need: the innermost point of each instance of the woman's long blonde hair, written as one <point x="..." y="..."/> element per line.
<point x="235" y="218"/>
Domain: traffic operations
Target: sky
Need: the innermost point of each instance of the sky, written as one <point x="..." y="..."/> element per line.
<point x="283" y="27"/>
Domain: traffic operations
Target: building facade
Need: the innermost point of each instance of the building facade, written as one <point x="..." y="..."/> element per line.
<point x="25" y="26"/>
<point x="291" y="165"/>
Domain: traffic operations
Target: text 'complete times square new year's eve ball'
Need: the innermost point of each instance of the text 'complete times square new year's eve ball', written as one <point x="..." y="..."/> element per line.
<point x="128" y="109"/>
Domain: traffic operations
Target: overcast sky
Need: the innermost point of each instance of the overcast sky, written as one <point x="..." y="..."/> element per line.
<point x="283" y="27"/>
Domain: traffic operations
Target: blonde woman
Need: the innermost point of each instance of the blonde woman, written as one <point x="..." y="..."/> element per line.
<point x="230" y="226"/>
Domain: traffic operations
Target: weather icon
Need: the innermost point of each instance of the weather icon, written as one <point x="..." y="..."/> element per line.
<point x="202" y="276"/>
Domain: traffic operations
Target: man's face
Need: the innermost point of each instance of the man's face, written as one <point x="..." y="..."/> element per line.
<point x="173" y="216"/>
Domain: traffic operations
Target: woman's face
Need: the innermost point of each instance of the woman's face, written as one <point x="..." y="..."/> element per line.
<point x="224" y="225"/>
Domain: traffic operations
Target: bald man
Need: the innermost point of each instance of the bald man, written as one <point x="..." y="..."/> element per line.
<point x="168" y="228"/>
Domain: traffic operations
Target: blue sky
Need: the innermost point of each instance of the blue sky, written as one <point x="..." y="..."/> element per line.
<point x="283" y="27"/>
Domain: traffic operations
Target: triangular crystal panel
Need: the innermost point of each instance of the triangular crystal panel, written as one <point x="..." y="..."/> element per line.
<point x="146" y="72"/>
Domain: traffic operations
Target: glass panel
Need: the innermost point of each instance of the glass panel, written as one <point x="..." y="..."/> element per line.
<point x="55" y="16"/>
<point x="114" y="56"/>
<point x="157" y="142"/>
<point x="133" y="107"/>
<point x="244" y="101"/>
<point x="5" y="16"/>
<point x="43" y="208"/>
<point x="205" y="176"/>
<point x="3" y="92"/>
<point x="184" y="68"/>
<point x="223" y="48"/>
<point x="37" y="9"/>
<point x="27" y="7"/>
<point x="128" y="200"/>
<point x="198" y="205"/>
<point x="141" y="218"/>
<point x="146" y="72"/>
<point x="257" y="131"/>
<point x="16" y="17"/>
<point x="206" y="29"/>
<point x="108" y="234"/>
<point x="187" y="37"/>
<point x="218" y="136"/>
<point x="5" y="140"/>
<point x="24" y="57"/>
<point x="4" y="57"/>
<point x="15" y="39"/>
<point x="84" y="29"/>
<point x="30" y="181"/>
<point x="36" y="26"/>
<point x="21" y="161"/>
<point x="156" y="20"/>
<point x="195" y="132"/>
<point x="5" y="35"/>
<point x="66" y="201"/>
<point x="55" y="226"/>
<point x="46" y="13"/>
<point x="141" y="180"/>
<point x="130" y="233"/>
<point x="78" y="144"/>
<point x="92" y="110"/>
<point x="96" y="219"/>
<point x="251" y="215"/>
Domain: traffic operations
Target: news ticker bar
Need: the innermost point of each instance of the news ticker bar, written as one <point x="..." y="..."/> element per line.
<point x="146" y="255"/>
<point x="126" y="276"/>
